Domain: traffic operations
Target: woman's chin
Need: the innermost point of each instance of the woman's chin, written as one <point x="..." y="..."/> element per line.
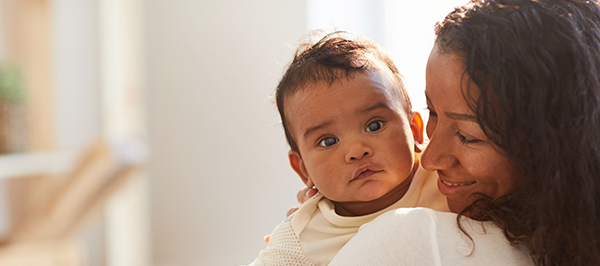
<point x="456" y="207"/>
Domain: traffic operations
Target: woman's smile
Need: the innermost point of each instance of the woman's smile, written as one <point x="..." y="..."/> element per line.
<point x="458" y="162"/>
<point x="453" y="188"/>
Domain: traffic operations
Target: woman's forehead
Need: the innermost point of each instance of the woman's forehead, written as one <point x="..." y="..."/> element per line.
<point x="447" y="83"/>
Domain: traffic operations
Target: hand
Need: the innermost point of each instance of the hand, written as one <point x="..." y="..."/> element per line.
<point x="291" y="210"/>
<point x="305" y="194"/>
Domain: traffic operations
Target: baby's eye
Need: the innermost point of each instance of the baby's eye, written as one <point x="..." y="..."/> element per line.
<point x="328" y="141"/>
<point x="374" y="126"/>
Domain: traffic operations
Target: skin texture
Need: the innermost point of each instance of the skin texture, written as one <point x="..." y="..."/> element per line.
<point x="459" y="151"/>
<point x="356" y="144"/>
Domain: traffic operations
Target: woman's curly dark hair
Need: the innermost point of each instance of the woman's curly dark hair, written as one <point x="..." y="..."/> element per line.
<point x="536" y="64"/>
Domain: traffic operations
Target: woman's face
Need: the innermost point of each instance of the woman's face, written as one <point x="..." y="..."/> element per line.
<point x="465" y="160"/>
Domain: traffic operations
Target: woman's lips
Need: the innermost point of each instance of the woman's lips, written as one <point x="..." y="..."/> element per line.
<point x="449" y="188"/>
<point x="454" y="184"/>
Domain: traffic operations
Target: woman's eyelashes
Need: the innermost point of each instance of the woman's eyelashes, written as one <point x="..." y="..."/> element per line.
<point x="328" y="141"/>
<point x="374" y="126"/>
<point x="431" y="112"/>
<point x="465" y="140"/>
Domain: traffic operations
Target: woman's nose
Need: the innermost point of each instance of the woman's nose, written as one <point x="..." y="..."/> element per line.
<point x="357" y="150"/>
<point x="438" y="154"/>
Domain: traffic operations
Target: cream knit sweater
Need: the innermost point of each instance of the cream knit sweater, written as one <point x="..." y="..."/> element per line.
<point x="315" y="233"/>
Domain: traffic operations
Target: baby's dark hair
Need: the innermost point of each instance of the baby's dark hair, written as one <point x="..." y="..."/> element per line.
<point x="330" y="59"/>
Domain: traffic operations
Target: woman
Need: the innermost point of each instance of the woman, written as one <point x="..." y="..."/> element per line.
<point x="513" y="87"/>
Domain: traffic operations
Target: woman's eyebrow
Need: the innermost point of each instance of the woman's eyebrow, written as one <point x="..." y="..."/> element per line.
<point x="428" y="100"/>
<point x="456" y="116"/>
<point x="463" y="117"/>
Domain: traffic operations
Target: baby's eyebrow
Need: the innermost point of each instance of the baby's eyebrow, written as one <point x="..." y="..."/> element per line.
<point x="373" y="107"/>
<point x="361" y="111"/>
<point x="317" y="127"/>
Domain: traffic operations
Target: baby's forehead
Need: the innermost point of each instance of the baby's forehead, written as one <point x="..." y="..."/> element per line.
<point x="390" y="85"/>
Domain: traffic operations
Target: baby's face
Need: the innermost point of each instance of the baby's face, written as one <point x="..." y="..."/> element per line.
<point x="354" y="138"/>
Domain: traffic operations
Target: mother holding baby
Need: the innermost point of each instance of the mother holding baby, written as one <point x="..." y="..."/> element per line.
<point x="513" y="90"/>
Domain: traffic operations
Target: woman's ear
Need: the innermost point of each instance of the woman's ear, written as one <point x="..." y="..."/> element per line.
<point x="416" y="126"/>
<point x="298" y="165"/>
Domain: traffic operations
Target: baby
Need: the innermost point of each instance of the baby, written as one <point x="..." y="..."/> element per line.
<point x="348" y="120"/>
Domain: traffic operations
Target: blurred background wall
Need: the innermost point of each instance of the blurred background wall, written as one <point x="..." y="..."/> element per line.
<point x="193" y="80"/>
<point x="219" y="171"/>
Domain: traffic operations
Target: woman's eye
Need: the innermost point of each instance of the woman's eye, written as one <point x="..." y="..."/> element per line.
<point x="431" y="112"/>
<point x="374" y="126"/>
<point x="326" y="142"/>
<point x="465" y="140"/>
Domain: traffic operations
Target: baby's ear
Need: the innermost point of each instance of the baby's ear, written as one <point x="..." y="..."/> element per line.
<point x="416" y="126"/>
<point x="298" y="165"/>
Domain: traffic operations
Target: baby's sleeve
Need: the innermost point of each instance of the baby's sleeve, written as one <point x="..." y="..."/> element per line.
<point x="283" y="249"/>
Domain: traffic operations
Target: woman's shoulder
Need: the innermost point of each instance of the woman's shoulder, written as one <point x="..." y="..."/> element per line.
<point x="420" y="212"/>
<point x="415" y="225"/>
<point x="418" y="216"/>
<point x="439" y="225"/>
<point x="394" y="238"/>
<point x="421" y="236"/>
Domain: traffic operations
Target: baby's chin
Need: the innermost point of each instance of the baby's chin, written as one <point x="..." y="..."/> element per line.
<point x="367" y="195"/>
<point x="366" y="202"/>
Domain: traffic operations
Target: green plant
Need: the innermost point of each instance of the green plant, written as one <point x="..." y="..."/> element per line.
<point x="12" y="84"/>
